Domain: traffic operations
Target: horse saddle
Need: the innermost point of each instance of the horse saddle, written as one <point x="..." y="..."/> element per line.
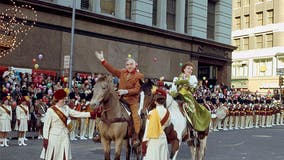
<point x="125" y="104"/>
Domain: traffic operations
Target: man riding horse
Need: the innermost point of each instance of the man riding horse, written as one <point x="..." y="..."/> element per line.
<point x="129" y="88"/>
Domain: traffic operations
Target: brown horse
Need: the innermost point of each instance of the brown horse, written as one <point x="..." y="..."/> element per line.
<point x="113" y="125"/>
<point x="196" y="140"/>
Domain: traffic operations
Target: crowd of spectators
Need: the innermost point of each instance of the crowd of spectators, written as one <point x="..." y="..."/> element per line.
<point x="38" y="85"/>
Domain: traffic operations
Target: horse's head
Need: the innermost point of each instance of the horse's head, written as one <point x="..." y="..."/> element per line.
<point x="147" y="87"/>
<point x="102" y="90"/>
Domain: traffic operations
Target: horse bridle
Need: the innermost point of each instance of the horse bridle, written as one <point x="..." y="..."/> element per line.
<point x="147" y="106"/>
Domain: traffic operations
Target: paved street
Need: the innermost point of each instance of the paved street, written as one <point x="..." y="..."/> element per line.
<point x="252" y="144"/>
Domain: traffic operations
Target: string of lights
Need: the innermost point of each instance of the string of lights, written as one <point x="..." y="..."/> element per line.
<point x="15" y="24"/>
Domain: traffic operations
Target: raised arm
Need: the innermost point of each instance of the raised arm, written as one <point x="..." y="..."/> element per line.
<point x="111" y="69"/>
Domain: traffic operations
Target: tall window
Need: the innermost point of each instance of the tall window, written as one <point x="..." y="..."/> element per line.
<point x="246" y="43"/>
<point x="154" y="14"/>
<point x="262" y="67"/>
<point x="238" y="3"/>
<point x="108" y="6"/>
<point x="128" y="9"/>
<point x="171" y="14"/>
<point x="237" y="43"/>
<point x="246" y="21"/>
<point x="259" y="41"/>
<point x="269" y="40"/>
<point x="238" y="23"/>
<point x="270" y="16"/>
<point x="211" y="19"/>
<point x="85" y="4"/>
<point x="259" y="18"/>
<point x="240" y="69"/>
<point x="185" y="16"/>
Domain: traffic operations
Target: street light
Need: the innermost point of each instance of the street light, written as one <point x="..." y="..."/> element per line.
<point x="72" y="47"/>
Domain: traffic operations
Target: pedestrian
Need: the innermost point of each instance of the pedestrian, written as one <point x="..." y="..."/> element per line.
<point x="56" y="144"/>
<point x="128" y="89"/>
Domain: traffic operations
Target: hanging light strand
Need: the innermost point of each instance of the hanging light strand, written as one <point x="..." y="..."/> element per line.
<point x="15" y="24"/>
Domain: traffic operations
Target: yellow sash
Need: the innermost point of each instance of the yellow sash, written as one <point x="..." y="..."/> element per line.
<point x="155" y="127"/>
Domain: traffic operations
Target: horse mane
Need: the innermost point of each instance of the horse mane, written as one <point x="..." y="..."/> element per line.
<point x="101" y="78"/>
<point x="147" y="85"/>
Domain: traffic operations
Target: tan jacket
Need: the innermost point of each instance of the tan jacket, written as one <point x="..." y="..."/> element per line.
<point x="128" y="81"/>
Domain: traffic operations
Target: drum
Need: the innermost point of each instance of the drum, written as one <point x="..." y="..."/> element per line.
<point x="221" y="112"/>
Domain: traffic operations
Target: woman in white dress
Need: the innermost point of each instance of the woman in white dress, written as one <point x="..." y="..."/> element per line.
<point x="5" y="121"/>
<point x="155" y="145"/>
<point x="56" y="143"/>
<point x="183" y="89"/>
<point x="22" y="114"/>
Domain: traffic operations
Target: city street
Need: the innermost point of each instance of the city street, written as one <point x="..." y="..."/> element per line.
<point x="251" y="144"/>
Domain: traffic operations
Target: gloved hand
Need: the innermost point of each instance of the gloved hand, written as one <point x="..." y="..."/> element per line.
<point x="144" y="148"/>
<point x="122" y="92"/>
<point x="96" y="113"/>
<point x="100" y="55"/>
<point x="45" y="143"/>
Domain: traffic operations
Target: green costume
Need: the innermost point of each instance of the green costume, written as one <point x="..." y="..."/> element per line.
<point x="196" y="114"/>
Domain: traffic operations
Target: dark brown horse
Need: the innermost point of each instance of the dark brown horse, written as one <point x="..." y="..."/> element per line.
<point x="113" y="125"/>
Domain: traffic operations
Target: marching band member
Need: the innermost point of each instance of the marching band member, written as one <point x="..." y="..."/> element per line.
<point x="84" y="121"/>
<point x="231" y="116"/>
<point x="5" y="121"/>
<point x="243" y="115"/>
<point x="22" y="114"/>
<point x="256" y="109"/>
<point x="249" y="116"/>
<point x="281" y="114"/>
<point x="263" y="115"/>
<point x="237" y="115"/>
<point x="92" y="122"/>
<point x="56" y="143"/>
<point x="226" y="120"/>
<point x="155" y="145"/>
<point x="74" y="122"/>
<point x="278" y="115"/>
<point x="41" y="108"/>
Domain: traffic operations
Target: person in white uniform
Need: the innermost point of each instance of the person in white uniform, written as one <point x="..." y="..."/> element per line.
<point x="22" y="114"/>
<point x="56" y="143"/>
<point x="155" y="145"/>
<point x="5" y="121"/>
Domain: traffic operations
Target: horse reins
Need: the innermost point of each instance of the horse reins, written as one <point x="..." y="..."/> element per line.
<point x="113" y="120"/>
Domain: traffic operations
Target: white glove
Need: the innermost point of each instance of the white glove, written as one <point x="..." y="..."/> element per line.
<point x="100" y="55"/>
<point x="122" y="92"/>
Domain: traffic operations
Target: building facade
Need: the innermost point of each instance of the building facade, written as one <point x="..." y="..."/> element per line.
<point x="160" y="35"/>
<point x="257" y="33"/>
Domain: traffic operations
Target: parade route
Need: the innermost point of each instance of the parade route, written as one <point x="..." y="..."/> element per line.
<point x="250" y="144"/>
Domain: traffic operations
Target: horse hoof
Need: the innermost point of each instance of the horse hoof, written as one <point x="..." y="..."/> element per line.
<point x="97" y="139"/>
